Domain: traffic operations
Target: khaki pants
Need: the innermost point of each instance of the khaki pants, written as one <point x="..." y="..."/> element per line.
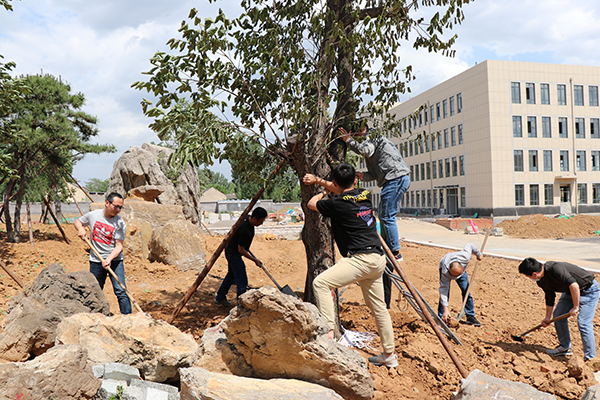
<point x="366" y="269"/>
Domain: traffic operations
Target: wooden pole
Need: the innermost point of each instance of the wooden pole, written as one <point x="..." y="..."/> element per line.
<point x="72" y="195"/>
<point x="220" y="249"/>
<point x="9" y="272"/>
<point x="112" y="273"/>
<point x="55" y="219"/>
<point x="462" y="309"/>
<point x="29" y="227"/>
<point x="424" y="310"/>
<point x="84" y="191"/>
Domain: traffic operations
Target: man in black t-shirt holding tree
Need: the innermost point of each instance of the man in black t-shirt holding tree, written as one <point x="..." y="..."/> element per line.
<point x="355" y="233"/>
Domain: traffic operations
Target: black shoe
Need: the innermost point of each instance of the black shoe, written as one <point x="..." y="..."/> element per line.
<point x="224" y="302"/>
<point x="473" y="321"/>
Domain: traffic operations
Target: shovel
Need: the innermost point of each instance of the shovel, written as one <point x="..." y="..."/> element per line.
<point x="462" y="309"/>
<point x="286" y="289"/>
<point x="519" y="338"/>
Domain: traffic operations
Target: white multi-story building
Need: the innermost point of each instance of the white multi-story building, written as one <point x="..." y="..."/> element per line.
<point x="504" y="138"/>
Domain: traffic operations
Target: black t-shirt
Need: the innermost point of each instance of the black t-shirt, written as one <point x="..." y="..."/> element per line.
<point x="243" y="237"/>
<point x="354" y="227"/>
<point x="558" y="276"/>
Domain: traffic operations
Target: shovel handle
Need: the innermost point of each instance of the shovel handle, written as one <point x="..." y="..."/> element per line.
<point x="112" y="273"/>
<point x="462" y="309"/>
<point x="540" y="325"/>
<point x="267" y="272"/>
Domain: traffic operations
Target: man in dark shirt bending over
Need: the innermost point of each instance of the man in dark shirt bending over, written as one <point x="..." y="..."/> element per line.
<point x="580" y="293"/>
<point x="355" y="233"/>
<point x="239" y="246"/>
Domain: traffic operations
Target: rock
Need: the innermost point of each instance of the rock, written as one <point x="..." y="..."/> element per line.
<point x="178" y="243"/>
<point x="592" y="393"/>
<point x="478" y="386"/>
<point x="575" y="367"/>
<point x="154" y="347"/>
<point x="593" y="364"/>
<point x="198" y="383"/>
<point x="30" y="328"/>
<point x="147" y="193"/>
<point x="217" y="355"/>
<point x="64" y="373"/>
<point x="279" y="336"/>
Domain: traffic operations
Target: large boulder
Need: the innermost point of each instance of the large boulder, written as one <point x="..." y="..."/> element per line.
<point x="148" y="165"/>
<point x="30" y="328"/>
<point x="198" y="383"/>
<point x="178" y="243"/>
<point x="64" y="373"/>
<point x="154" y="347"/>
<point x="279" y="336"/>
<point x="479" y="385"/>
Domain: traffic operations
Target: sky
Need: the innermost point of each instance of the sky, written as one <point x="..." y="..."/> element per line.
<point x="101" y="48"/>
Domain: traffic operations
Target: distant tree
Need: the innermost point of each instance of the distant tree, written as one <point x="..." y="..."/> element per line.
<point x="97" y="185"/>
<point x="52" y="134"/>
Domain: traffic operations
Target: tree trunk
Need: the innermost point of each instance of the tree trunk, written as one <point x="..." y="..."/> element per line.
<point x="18" y="204"/>
<point x="10" y="237"/>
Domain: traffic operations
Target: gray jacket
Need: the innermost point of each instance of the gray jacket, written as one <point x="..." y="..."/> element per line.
<point x="463" y="257"/>
<point x="384" y="162"/>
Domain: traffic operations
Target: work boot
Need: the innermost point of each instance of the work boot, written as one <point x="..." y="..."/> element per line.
<point x="473" y="321"/>
<point x="224" y="302"/>
<point x="381" y="359"/>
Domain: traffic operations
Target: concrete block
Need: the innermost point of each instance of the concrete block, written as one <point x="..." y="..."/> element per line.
<point x="133" y="393"/>
<point x="109" y="388"/>
<point x="98" y="370"/>
<point x="212" y="218"/>
<point x="121" y="372"/>
<point x="155" y="394"/>
<point x="171" y="391"/>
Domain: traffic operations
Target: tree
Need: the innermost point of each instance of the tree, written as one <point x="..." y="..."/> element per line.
<point x="97" y="185"/>
<point x="52" y="134"/>
<point x="290" y="73"/>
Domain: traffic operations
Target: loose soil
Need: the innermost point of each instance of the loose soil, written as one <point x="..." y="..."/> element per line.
<point x="505" y="302"/>
<point x="538" y="226"/>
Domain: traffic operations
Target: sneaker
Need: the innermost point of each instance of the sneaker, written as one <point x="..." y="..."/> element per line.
<point x="560" y="351"/>
<point x="224" y="302"/>
<point x="390" y="362"/>
<point x="398" y="257"/>
<point x="473" y="321"/>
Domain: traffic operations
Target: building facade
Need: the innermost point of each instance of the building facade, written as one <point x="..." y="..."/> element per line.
<point x="503" y="138"/>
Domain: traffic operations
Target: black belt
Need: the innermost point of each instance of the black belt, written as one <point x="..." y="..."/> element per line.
<point x="365" y="250"/>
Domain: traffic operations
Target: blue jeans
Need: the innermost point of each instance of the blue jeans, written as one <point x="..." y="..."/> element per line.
<point x="236" y="272"/>
<point x="588" y="301"/>
<point x="463" y="284"/>
<point x="391" y="196"/>
<point x="100" y="273"/>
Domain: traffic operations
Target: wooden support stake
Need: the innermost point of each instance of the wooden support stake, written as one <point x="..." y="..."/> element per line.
<point x="424" y="310"/>
<point x="84" y="191"/>
<point x="55" y="219"/>
<point x="9" y="272"/>
<point x="72" y="195"/>
<point x="220" y="249"/>
<point x="207" y="230"/>
<point x="29" y="227"/>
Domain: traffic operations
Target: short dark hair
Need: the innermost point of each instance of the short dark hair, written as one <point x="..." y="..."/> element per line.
<point x="344" y="175"/>
<point x="530" y="265"/>
<point x="259" y="213"/>
<point x="112" y="195"/>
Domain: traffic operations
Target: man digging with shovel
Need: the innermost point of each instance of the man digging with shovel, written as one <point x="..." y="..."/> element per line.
<point x="580" y="293"/>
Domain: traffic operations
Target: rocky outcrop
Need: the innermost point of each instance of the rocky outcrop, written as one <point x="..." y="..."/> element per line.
<point x="178" y="243"/>
<point x="148" y="166"/>
<point x="279" y="336"/>
<point x="30" y="328"/>
<point x="64" y="373"/>
<point x="478" y="386"/>
<point x="198" y="383"/>
<point x="154" y="347"/>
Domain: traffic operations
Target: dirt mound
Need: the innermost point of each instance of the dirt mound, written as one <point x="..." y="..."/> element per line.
<point x="505" y="302"/>
<point x="538" y="226"/>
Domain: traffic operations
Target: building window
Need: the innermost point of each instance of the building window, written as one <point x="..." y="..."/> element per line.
<point x="517" y="128"/>
<point x="546" y="127"/>
<point x="561" y="91"/>
<point x="426" y="140"/>
<point x="423" y="171"/>
<point x="453" y="135"/>
<point x="437" y="111"/>
<point x="428" y="169"/>
<point x="454" y="166"/>
<point x="412" y="173"/>
<point x="416" y="173"/>
<point x="519" y="195"/>
<point x="434" y="198"/>
<point x="595" y="160"/>
<point x="425" y="113"/>
<point x="578" y="95"/>
<point x="433" y="142"/>
<point x="582" y="193"/>
<point x="463" y="197"/>
<point x="580" y="160"/>
<point x="434" y="170"/>
<point x="432" y="113"/>
<point x="534" y="195"/>
<point x="460" y="134"/>
<point x="548" y="160"/>
<point x="594" y="132"/>
<point x="593" y="92"/>
<point x="439" y="139"/>
<point x="461" y="165"/>
<point x="580" y="128"/>
<point x="459" y="102"/>
<point x="595" y="193"/>
<point x="421" y="146"/>
<point x="441" y="198"/>
<point x="452" y="110"/>
<point x="518" y="157"/>
<point x="563" y="131"/>
<point x="545" y="93"/>
<point x="531" y="127"/>
<point x="445" y="108"/>
<point x="564" y="160"/>
<point x="446" y="139"/>
<point x="410" y="149"/>
<point x="418" y="199"/>
<point x="441" y="169"/>
<point x="420" y="119"/>
<point x="447" y="167"/>
<point x="548" y="194"/>
<point x="422" y="198"/>
<point x="515" y="92"/>
<point x="533" y="160"/>
<point x="412" y="199"/>
<point x="530" y="93"/>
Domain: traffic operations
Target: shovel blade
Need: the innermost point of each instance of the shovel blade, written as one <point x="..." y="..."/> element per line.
<point x="518" y="338"/>
<point x="288" y="290"/>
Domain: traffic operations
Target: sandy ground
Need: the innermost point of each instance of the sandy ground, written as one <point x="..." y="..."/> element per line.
<point x="505" y="302"/>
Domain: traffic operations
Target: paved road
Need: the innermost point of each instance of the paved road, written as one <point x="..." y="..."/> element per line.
<point x="584" y="252"/>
